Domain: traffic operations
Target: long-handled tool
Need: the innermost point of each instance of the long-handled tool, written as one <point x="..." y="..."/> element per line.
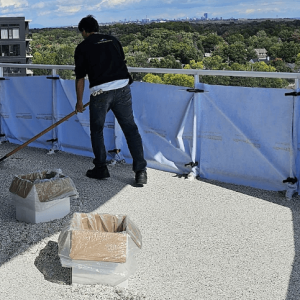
<point x="41" y="133"/>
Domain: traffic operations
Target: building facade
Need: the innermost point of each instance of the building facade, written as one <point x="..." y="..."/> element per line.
<point x="14" y="44"/>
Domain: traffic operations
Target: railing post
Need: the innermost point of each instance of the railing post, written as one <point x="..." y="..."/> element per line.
<point x="54" y="110"/>
<point x="297" y="83"/>
<point x="195" y="127"/>
<point x="196" y="80"/>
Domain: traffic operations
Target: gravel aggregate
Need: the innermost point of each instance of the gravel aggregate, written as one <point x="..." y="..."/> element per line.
<point x="201" y="239"/>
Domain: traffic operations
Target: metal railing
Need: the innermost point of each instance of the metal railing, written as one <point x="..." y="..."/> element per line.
<point x="195" y="73"/>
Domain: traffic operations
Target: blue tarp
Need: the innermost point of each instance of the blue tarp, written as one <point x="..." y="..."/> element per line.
<point x="164" y="116"/>
<point x="26" y="109"/>
<point x="240" y="135"/>
<point x="245" y="135"/>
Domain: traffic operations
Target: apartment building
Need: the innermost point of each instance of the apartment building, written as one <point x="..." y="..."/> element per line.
<point x="14" y="44"/>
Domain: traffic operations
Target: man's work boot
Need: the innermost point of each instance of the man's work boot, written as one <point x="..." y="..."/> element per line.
<point x="98" y="173"/>
<point x="141" y="177"/>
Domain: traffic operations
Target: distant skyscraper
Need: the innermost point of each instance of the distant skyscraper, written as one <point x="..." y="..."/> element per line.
<point x="205" y="16"/>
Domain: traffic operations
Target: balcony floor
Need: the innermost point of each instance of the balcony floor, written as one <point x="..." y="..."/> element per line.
<point x="201" y="239"/>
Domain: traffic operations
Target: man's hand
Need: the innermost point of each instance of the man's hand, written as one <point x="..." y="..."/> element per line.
<point x="79" y="108"/>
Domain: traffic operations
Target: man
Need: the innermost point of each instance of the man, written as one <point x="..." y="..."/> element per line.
<point x="101" y="57"/>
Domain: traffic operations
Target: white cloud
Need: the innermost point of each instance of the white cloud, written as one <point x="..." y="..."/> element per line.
<point x="112" y="3"/>
<point x="45" y="12"/>
<point x="68" y="9"/>
<point x="70" y="2"/>
<point x="14" y="3"/>
<point x="273" y="4"/>
<point x="38" y="5"/>
<point x="262" y="10"/>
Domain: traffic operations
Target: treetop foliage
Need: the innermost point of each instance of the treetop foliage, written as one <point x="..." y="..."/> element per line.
<point x="216" y="46"/>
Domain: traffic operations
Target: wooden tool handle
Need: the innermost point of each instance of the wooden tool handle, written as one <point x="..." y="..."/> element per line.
<point x="41" y="133"/>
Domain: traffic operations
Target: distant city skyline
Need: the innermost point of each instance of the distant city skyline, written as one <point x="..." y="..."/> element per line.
<point x="56" y="13"/>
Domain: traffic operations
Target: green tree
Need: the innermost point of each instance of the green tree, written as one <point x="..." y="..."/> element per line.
<point x="285" y="35"/>
<point x="137" y="59"/>
<point x="65" y="56"/>
<point x="235" y="38"/>
<point x="251" y="53"/>
<point x="167" y="62"/>
<point x="288" y="51"/>
<point x="253" y="41"/>
<point x="237" y="53"/>
<point x="280" y="65"/>
<point x="177" y="43"/>
<point x="43" y="59"/>
<point x="179" y="79"/>
<point x="296" y="36"/>
<point x="54" y="47"/>
<point x="297" y="61"/>
<point x="261" y="34"/>
<point x="194" y="65"/>
<point x="240" y="81"/>
<point x="267" y="82"/>
<point x="170" y="79"/>
<point x="275" y="50"/>
<point x="214" y="63"/>
<point x="222" y="51"/>
<point x="152" y="78"/>
<point x="210" y="41"/>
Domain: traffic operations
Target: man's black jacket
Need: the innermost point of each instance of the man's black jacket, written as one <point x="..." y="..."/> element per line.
<point x="101" y="57"/>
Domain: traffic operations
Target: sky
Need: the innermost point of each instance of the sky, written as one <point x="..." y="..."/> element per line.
<point x="56" y="13"/>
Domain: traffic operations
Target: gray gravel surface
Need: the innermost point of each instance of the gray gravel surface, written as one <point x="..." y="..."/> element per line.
<point x="201" y="239"/>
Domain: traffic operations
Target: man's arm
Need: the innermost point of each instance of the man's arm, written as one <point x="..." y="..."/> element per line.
<point x="79" y="86"/>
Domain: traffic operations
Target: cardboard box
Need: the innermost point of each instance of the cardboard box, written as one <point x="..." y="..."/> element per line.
<point x="58" y="209"/>
<point x="42" y="196"/>
<point x="100" y="248"/>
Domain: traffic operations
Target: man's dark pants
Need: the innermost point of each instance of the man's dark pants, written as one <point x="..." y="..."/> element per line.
<point x="120" y="102"/>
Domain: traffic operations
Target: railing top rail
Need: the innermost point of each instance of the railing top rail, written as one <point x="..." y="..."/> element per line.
<point x="36" y="66"/>
<point x="218" y="73"/>
<point x="169" y="71"/>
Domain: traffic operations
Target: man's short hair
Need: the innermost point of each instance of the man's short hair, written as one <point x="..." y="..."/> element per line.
<point x="89" y="24"/>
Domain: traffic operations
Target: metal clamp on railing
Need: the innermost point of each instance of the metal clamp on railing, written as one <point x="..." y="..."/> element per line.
<point x="195" y="91"/>
<point x="292" y="94"/>
<point x="290" y="180"/>
<point x="53" y="77"/>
